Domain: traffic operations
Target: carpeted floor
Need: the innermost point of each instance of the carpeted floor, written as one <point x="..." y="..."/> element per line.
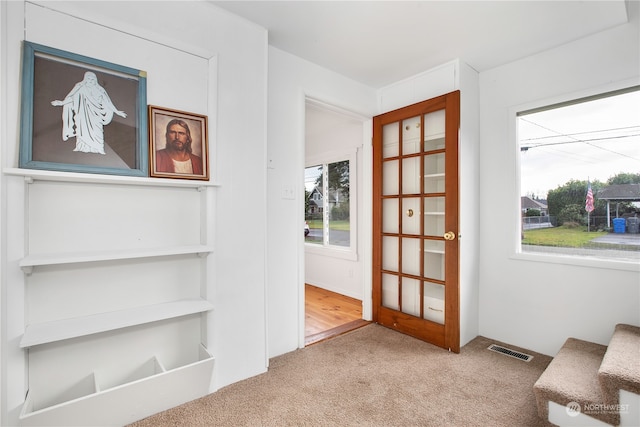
<point x="374" y="376"/>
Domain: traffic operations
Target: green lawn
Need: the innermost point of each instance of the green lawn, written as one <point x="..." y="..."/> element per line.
<point x="333" y="225"/>
<point x="575" y="237"/>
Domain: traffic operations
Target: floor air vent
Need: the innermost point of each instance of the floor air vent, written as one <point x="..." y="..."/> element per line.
<point x="509" y="352"/>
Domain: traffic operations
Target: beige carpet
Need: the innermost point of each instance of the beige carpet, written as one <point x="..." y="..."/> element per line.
<point x="374" y="376"/>
<point x="573" y="377"/>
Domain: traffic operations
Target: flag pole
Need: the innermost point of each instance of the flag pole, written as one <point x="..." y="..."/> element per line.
<point x="589" y="204"/>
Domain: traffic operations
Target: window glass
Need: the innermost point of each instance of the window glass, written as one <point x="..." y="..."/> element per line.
<point x="580" y="177"/>
<point x="327" y="207"/>
<point x="314" y="205"/>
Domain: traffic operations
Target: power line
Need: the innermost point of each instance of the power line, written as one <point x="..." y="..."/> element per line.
<point x="576" y="140"/>
<point x="586" y="141"/>
<point x="577" y="133"/>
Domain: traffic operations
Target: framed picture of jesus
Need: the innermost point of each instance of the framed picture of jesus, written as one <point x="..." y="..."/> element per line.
<point x="178" y="145"/>
<point x="81" y="114"/>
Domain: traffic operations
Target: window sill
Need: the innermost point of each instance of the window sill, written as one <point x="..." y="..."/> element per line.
<point x="594" y="261"/>
<point x="331" y="251"/>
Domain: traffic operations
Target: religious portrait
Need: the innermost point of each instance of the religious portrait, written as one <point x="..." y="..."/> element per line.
<point x="178" y="145"/>
<point x="82" y="114"/>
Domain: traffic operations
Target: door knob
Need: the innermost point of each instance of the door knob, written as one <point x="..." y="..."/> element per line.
<point x="449" y="235"/>
<point x="409" y="213"/>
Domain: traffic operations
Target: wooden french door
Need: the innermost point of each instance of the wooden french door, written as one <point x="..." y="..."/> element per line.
<point x="415" y="220"/>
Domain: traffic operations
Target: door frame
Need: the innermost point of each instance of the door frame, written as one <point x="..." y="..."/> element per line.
<point x="364" y="226"/>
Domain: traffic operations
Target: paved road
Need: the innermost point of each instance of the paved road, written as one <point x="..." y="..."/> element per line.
<point x="619" y="239"/>
<point x="336" y="237"/>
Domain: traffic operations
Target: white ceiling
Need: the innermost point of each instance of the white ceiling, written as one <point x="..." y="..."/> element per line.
<point x="381" y="42"/>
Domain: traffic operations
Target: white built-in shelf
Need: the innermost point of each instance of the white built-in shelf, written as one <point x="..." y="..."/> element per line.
<point x="45" y="175"/>
<point x="58" y="330"/>
<point x="33" y="260"/>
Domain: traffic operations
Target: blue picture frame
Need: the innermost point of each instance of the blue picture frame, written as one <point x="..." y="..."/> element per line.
<point x="100" y="106"/>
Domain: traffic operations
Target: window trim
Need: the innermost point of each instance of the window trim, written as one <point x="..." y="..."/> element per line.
<point x="343" y="252"/>
<point x="514" y="112"/>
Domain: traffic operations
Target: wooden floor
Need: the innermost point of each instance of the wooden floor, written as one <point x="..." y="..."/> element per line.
<point x="328" y="314"/>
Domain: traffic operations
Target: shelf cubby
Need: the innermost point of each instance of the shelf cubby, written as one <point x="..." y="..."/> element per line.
<point x="92" y="403"/>
<point x="116" y="315"/>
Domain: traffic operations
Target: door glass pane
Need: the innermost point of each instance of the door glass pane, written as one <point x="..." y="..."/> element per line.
<point x="434" y="130"/>
<point x="434" y="216"/>
<point x="411" y="175"/>
<point x="390" y="140"/>
<point x="390" y="253"/>
<point x="411" y="215"/>
<point x="411" y="296"/>
<point x="434" y="259"/>
<point x="434" y="173"/>
<point x="339" y="206"/>
<point x="390" y="292"/>
<point x="390" y="183"/>
<point x="390" y="216"/>
<point x="434" y="302"/>
<point x="411" y="136"/>
<point x="411" y="256"/>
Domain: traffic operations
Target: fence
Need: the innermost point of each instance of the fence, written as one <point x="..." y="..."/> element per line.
<point x="533" y="222"/>
<point x="596" y="222"/>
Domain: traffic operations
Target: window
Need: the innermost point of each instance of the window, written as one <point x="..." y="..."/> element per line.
<point x="329" y="205"/>
<point x="580" y="177"/>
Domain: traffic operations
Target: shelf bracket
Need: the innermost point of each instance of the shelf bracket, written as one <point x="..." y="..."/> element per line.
<point x="28" y="179"/>
<point x="201" y="189"/>
<point x="27" y="269"/>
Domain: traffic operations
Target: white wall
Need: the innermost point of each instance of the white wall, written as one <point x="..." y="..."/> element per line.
<point x="539" y="304"/>
<point x="290" y="80"/>
<point x="199" y="59"/>
<point x="470" y="217"/>
<point x="3" y="318"/>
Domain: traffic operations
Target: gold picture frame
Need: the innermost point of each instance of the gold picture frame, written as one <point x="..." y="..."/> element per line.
<point x="178" y="144"/>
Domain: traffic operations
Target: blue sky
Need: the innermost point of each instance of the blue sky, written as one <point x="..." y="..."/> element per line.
<point x="594" y="140"/>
